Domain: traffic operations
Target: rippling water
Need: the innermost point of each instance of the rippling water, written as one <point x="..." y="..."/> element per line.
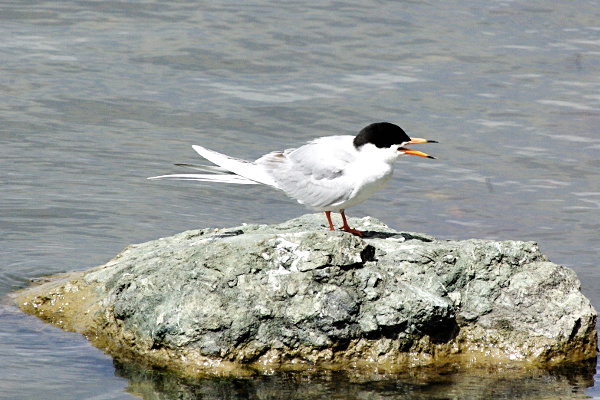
<point x="95" y="96"/>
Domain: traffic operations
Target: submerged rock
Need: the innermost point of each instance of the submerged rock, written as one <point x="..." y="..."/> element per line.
<point x="295" y="294"/>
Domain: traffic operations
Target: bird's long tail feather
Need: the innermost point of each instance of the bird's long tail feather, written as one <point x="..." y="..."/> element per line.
<point x="228" y="170"/>
<point x="220" y="178"/>
<point x="213" y="169"/>
<point x="246" y="169"/>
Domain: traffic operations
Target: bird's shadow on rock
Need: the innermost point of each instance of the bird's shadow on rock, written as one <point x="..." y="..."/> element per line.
<point x="396" y="235"/>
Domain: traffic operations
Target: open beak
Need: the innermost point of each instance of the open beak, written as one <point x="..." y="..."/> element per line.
<point x="416" y="152"/>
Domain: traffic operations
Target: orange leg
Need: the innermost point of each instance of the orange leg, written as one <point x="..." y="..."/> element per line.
<point x="347" y="228"/>
<point x="344" y="227"/>
<point x="328" y="215"/>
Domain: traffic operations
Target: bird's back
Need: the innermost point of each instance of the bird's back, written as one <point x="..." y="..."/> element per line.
<point x="324" y="174"/>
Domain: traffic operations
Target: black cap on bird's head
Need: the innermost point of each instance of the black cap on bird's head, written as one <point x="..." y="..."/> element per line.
<point x="381" y="134"/>
<point x="385" y="135"/>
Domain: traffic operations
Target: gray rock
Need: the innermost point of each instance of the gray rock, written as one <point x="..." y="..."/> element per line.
<point x="296" y="294"/>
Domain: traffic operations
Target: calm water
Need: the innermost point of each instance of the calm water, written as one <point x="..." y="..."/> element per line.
<point x="95" y="96"/>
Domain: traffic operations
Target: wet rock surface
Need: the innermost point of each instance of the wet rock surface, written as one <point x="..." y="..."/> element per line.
<point x="294" y="294"/>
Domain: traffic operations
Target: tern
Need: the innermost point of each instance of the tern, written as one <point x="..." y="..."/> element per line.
<point x="330" y="173"/>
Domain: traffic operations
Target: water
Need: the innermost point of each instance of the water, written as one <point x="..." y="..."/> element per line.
<point x="96" y="96"/>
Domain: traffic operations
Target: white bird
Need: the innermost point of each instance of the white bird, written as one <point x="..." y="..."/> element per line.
<point x="326" y="174"/>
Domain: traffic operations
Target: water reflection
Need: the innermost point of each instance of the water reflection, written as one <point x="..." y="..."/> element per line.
<point x="450" y="382"/>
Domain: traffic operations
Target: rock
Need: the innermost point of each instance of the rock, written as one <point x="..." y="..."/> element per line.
<point x="295" y="294"/>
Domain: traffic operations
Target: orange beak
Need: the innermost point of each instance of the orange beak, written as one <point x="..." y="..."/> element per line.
<point x="416" y="152"/>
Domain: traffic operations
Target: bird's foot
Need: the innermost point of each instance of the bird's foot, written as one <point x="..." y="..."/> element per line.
<point x="356" y="232"/>
<point x="345" y="227"/>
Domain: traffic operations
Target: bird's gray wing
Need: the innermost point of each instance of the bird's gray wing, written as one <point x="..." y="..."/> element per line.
<point x="312" y="174"/>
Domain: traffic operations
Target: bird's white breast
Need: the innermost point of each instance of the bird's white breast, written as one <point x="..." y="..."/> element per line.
<point x="370" y="172"/>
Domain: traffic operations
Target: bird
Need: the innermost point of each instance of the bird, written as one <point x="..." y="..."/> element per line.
<point x="330" y="173"/>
